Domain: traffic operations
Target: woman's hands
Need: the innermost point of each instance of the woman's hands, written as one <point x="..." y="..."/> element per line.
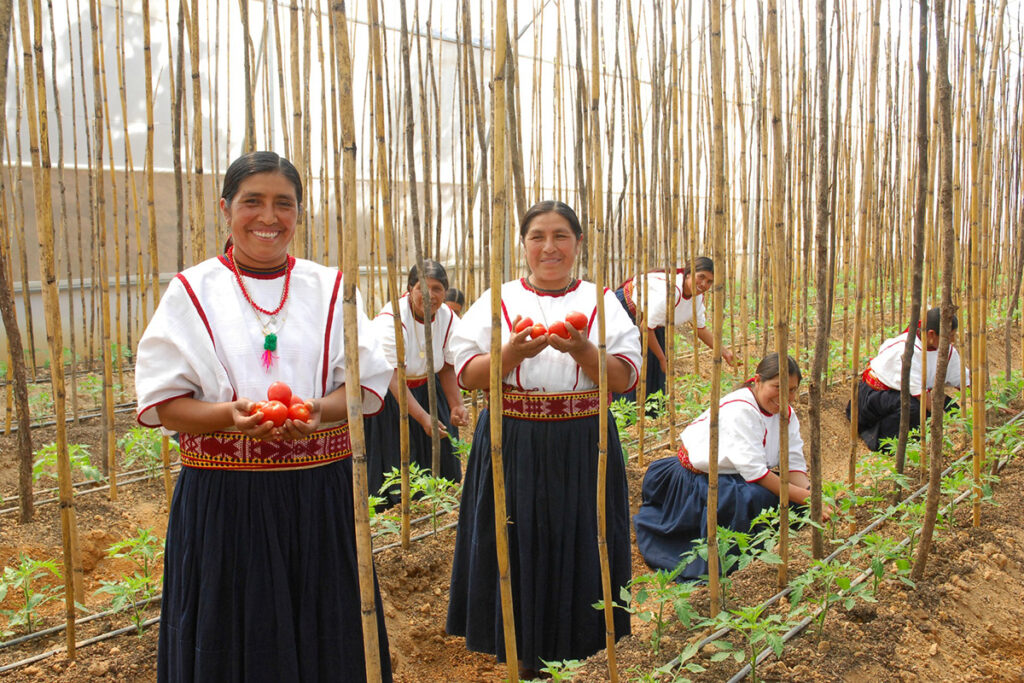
<point x="254" y="427"/>
<point x="520" y="346"/>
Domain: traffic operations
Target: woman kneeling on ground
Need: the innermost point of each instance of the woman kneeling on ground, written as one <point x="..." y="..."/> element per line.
<point x="673" y="515"/>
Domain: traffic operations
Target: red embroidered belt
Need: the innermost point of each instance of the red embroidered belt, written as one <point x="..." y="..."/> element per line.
<point x="235" y="451"/>
<point x="684" y="460"/>
<point x="627" y="294"/>
<point x="871" y="379"/>
<point x="567" y="406"/>
<point x="415" y="382"/>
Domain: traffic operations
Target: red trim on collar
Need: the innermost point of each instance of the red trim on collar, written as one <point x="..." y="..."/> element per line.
<point x="527" y="287"/>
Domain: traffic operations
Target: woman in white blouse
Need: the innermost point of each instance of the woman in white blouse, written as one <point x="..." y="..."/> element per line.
<point x="673" y="514"/>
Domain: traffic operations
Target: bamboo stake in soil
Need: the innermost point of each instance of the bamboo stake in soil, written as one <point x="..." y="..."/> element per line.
<point x="364" y="546"/>
<point x="597" y="222"/>
<point x="10" y="318"/>
<point x="39" y="146"/>
<point x="384" y="178"/>
<point x="497" y="247"/>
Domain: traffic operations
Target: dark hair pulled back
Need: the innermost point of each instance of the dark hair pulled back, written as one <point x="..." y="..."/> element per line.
<point x="768" y="369"/>
<point x="551" y="206"/>
<point x="259" y="162"/>
<point x="432" y="270"/>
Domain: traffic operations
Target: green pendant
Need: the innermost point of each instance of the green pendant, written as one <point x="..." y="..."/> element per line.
<point x="270" y="342"/>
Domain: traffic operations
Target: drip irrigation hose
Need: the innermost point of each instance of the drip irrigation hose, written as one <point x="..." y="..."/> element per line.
<point x="81" y="620"/>
<point x="90" y="641"/>
<point x="118" y="408"/>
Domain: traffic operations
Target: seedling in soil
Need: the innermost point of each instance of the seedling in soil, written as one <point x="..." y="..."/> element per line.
<point x="748" y="622"/>
<point x="78" y="454"/>
<point x="624" y="412"/>
<point x="131" y="592"/>
<point x="20" y="579"/>
<point x="382" y="523"/>
<point x="40" y="405"/>
<point x="142" y="446"/>
<point x="460" y="448"/>
<point x="660" y="590"/>
<point x="835" y="587"/>
<point x="736" y="550"/>
<point x="880" y="551"/>
<point x="437" y="492"/>
<point x="561" y="671"/>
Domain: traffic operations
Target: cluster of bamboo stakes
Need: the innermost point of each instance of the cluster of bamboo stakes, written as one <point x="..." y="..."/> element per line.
<point x="818" y="202"/>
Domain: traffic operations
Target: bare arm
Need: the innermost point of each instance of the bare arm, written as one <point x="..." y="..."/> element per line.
<point x="477" y="372"/>
<point x="704" y="334"/>
<point x="460" y="416"/>
<point x="799" y="490"/>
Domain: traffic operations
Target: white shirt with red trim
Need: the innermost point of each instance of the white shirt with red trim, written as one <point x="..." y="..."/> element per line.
<point x="550" y="371"/>
<point x="657" y="310"/>
<point x="748" y="438"/>
<point x="415" y="337"/>
<point x="888" y="365"/>
<point x="205" y="341"/>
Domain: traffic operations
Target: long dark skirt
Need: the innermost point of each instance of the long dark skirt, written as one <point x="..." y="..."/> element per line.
<point x="260" y="579"/>
<point x="878" y="414"/>
<point x="550" y="479"/>
<point x="674" y="512"/>
<point x="383" y="447"/>
<point x="655" y="375"/>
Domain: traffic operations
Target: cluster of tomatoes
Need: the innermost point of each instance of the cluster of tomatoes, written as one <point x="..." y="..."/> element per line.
<point x="575" y="318"/>
<point x="281" y="405"/>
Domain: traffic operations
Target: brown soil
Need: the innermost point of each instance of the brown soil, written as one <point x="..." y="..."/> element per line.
<point x="963" y="622"/>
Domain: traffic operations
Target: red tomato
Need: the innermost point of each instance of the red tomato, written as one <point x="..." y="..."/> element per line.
<point x="558" y="327"/>
<point x="298" y="412"/>
<point x="538" y="330"/>
<point x="296" y="399"/>
<point x="257" y="407"/>
<point x="279" y="391"/>
<point x="275" y="412"/>
<point x="524" y="324"/>
<point x="577" y="320"/>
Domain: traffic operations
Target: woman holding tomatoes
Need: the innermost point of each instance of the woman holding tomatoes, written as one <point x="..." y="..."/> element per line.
<point x="674" y="516"/>
<point x="549" y="448"/>
<point x="383" y="449"/>
<point x="260" y="580"/>
<point x="687" y="285"/>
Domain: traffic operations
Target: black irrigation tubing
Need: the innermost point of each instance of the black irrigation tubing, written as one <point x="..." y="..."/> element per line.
<point x="81" y="620"/>
<point x="416" y="538"/>
<point x="805" y="622"/>
<point x="850" y="541"/>
<point x="103" y="487"/>
<point x="83" y="484"/>
<point x="95" y="639"/>
<point x="118" y="408"/>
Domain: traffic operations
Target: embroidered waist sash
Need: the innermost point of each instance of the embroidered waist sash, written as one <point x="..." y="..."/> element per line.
<point x="235" y="451"/>
<point x="627" y="294"/>
<point x="684" y="460"/>
<point x="534" y="406"/>
<point x="414" y="382"/>
<point x="871" y="379"/>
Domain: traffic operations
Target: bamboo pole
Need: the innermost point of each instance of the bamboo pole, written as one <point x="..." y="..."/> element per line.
<point x="598" y="229"/>
<point x="154" y="258"/>
<point x="364" y="547"/>
<point x="17" y="370"/>
<point x="497" y="243"/>
<point x="39" y="148"/>
<point x="780" y="277"/>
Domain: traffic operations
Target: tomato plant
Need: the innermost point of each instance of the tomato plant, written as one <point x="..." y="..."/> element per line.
<point x="279" y="391"/>
<point x="558" y="327"/>
<point x="298" y="412"/>
<point x="577" y="320"/>
<point x="275" y="412"/>
<point x="523" y="324"/>
<point x="538" y="330"/>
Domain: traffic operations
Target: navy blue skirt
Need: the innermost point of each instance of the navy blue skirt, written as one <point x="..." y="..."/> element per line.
<point x="655" y="375"/>
<point x="260" y="579"/>
<point x="674" y="512"/>
<point x="551" y="480"/>
<point x="383" y="445"/>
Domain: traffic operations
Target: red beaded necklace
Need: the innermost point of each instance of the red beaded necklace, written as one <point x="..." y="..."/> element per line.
<point x="269" y="334"/>
<point x="245" y="292"/>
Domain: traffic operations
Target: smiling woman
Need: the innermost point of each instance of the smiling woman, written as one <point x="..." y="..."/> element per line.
<point x="550" y="429"/>
<point x="261" y="513"/>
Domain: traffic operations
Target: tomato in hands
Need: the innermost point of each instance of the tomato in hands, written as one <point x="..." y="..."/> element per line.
<point x="538" y="330"/>
<point x="298" y="412"/>
<point x="295" y="399"/>
<point x="276" y="412"/>
<point x="279" y="391"/>
<point x="558" y="328"/>
<point x="524" y="324"/>
<point x="257" y="407"/>
<point x="577" y="320"/>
